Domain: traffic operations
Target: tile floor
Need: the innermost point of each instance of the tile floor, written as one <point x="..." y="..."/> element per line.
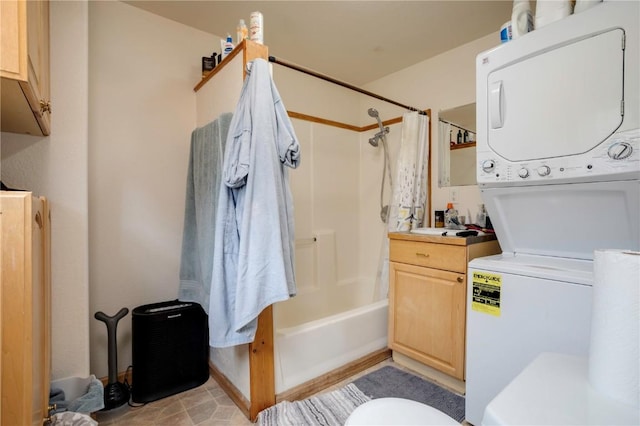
<point x="206" y="405"/>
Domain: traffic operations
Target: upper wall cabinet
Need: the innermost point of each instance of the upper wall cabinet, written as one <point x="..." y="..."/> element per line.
<point x="24" y="66"/>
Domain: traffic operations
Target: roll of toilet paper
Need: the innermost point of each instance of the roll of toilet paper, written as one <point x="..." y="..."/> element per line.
<point x="614" y="369"/>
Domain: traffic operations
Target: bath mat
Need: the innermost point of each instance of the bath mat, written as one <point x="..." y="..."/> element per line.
<point x="329" y="409"/>
<point x="393" y="382"/>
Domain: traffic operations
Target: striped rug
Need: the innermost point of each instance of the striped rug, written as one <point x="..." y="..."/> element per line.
<point x="329" y="409"/>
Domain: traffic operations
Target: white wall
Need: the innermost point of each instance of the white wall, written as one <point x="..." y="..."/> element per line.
<point x="439" y="83"/>
<point x="56" y="167"/>
<point x="142" y="111"/>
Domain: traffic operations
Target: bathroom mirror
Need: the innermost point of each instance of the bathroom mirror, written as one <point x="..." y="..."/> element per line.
<point x="457" y="146"/>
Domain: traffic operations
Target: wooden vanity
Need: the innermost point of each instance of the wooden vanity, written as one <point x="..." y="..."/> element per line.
<point x="427" y="296"/>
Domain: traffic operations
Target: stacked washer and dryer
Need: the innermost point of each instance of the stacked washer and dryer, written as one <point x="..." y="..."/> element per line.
<point x="558" y="159"/>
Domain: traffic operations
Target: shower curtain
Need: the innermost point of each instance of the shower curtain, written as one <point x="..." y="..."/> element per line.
<point x="409" y="194"/>
<point x="444" y="174"/>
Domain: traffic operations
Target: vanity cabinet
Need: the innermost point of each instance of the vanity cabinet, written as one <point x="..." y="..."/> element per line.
<point x="24" y="67"/>
<point x="427" y="296"/>
<point x="25" y="300"/>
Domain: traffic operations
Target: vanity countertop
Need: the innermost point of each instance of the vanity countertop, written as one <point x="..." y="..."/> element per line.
<point x="450" y="240"/>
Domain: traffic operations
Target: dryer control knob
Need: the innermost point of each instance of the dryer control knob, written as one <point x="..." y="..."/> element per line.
<point x="620" y="150"/>
<point x="544" y="170"/>
<point x="488" y="166"/>
<point x="523" y="173"/>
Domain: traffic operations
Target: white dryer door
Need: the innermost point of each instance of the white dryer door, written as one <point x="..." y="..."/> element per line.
<point x="561" y="101"/>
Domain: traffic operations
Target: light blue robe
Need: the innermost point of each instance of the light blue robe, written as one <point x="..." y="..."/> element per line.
<point x="253" y="264"/>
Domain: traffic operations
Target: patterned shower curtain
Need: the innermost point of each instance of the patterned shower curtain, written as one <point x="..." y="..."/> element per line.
<point x="409" y="194"/>
<point x="444" y="153"/>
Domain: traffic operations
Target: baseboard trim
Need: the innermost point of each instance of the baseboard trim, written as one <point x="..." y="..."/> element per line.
<point x="318" y="384"/>
<point x="230" y="389"/>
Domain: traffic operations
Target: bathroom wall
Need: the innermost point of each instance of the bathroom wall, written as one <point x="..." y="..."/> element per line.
<point x="142" y="111"/>
<point x="442" y="82"/>
<point x="56" y="167"/>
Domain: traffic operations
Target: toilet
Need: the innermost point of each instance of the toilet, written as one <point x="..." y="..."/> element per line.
<point x="397" y="411"/>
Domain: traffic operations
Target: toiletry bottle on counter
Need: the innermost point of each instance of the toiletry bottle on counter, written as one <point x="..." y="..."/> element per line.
<point x="521" y="18"/>
<point x="481" y="217"/>
<point x="451" y="217"/>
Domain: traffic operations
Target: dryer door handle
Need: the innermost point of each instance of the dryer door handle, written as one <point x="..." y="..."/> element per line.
<point x="495" y="104"/>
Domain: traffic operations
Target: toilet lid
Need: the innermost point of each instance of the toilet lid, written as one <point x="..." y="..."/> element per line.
<point x="397" y="411"/>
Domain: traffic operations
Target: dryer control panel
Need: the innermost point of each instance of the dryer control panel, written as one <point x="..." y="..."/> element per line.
<point x="617" y="158"/>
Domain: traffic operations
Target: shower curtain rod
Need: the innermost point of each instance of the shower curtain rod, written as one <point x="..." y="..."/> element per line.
<point x="341" y="83"/>
<point x="457" y="125"/>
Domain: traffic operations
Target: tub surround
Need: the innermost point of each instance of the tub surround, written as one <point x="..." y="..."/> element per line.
<point x="427" y="299"/>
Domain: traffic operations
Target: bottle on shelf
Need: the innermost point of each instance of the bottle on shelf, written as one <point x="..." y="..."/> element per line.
<point x="459" y="137"/>
<point x="242" y="32"/>
<point x="451" y="217"/>
<point x="227" y="46"/>
<point x="465" y="136"/>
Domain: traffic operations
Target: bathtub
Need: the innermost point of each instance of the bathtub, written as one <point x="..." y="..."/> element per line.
<point x="311" y="349"/>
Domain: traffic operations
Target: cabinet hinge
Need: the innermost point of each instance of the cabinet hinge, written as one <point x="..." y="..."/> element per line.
<point x="45" y="106"/>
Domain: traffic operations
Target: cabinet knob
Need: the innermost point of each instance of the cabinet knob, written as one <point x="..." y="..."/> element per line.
<point x="422" y="254"/>
<point x="460" y="279"/>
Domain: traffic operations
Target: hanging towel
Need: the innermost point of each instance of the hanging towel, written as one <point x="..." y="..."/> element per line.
<point x="253" y="253"/>
<point x="203" y="185"/>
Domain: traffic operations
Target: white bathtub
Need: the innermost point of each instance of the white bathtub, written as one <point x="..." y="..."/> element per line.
<point x="309" y="350"/>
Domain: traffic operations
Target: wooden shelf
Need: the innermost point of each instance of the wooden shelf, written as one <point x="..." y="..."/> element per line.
<point x="461" y="145"/>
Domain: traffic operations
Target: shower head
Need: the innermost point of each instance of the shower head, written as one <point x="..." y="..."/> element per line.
<point x="374" y="113"/>
<point x="374" y="141"/>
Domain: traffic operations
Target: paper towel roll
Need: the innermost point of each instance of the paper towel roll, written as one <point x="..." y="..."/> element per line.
<point x="614" y="354"/>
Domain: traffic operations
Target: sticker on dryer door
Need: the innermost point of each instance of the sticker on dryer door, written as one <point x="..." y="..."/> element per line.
<point x="486" y="293"/>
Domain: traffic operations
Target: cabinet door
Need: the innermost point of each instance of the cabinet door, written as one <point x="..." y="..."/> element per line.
<point x="24" y="67"/>
<point x="427" y="316"/>
<point x="24" y="310"/>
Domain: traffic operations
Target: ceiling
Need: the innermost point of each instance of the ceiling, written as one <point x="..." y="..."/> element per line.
<point x="353" y="41"/>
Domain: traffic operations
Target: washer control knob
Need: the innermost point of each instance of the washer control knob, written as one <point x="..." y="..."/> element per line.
<point x="488" y="166"/>
<point x="523" y="173"/>
<point x="620" y="150"/>
<point x="544" y="170"/>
